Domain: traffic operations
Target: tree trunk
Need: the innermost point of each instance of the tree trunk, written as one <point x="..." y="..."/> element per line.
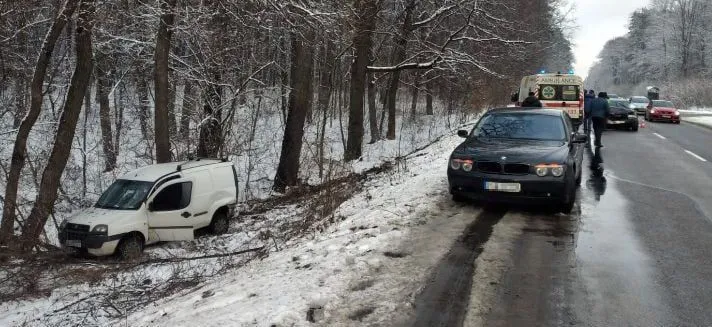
<point x="87" y="113"/>
<point x="372" y="116"/>
<point x="143" y="101"/>
<point x="172" y="125"/>
<point x="414" y="101"/>
<point x="366" y="11"/>
<point x="428" y="100"/>
<point x="103" y="87"/>
<point x="162" y="88"/>
<point x="20" y="101"/>
<point x="398" y="55"/>
<point x="19" y="151"/>
<point x="67" y="126"/>
<point x="119" y="110"/>
<point x="299" y="100"/>
<point x="186" y="113"/>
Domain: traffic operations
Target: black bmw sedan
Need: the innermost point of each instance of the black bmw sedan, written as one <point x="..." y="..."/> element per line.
<point x="519" y="155"/>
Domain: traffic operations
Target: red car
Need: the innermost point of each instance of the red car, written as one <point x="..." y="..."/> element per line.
<point x="662" y="110"/>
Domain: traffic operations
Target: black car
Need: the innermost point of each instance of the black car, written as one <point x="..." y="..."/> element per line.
<point x="519" y="155"/>
<point x="621" y="116"/>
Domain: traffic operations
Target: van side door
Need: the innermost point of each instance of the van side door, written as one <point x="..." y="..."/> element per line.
<point x="171" y="211"/>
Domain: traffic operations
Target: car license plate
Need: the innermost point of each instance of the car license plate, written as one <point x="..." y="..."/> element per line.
<point x="667" y="116"/>
<point x="74" y="243"/>
<point x="615" y="122"/>
<point x="503" y="187"/>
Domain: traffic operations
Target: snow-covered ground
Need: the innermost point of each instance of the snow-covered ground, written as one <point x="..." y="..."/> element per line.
<point x="705" y="121"/>
<point x="398" y="220"/>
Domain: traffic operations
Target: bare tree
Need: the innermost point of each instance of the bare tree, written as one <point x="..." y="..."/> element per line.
<point x="299" y="102"/>
<point x="67" y="126"/>
<point x="19" y="152"/>
<point x="103" y="88"/>
<point x="161" y="57"/>
<point x="364" y="20"/>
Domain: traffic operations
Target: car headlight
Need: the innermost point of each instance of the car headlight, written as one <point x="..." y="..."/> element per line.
<point x="541" y="171"/>
<point x="557" y="171"/>
<point x="467" y="165"/>
<point x="652" y="111"/>
<point x="677" y="113"/>
<point x="455" y="164"/>
<point x="100" y="229"/>
<point x="632" y="116"/>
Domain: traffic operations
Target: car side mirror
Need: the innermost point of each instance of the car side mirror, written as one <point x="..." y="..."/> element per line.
<point x="463" y="133"/>
<point x="579" y="138"/>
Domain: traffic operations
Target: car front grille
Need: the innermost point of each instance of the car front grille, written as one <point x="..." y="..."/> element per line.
<point x="516" y="169"/>
<point x="489" y="167"/>
<point x="76" y="231"/>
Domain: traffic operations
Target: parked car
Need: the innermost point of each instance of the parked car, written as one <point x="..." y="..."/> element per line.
<point x="161" y="202"/>
<point x="613" y="96"/>
<point x="519" y="155"/>
<point x="639" y="104"/>
<point x="621" y="116"/>
<point x="662" y="110"/>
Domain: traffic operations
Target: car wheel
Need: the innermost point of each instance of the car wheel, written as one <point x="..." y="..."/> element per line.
<point x="568" y="203"/>
<point x="219" y="224"/>
<point x="458" y="198"/>
<point x="677" y="122"/>
<point x="130" y="248"/>
<point x="634" y="128"/>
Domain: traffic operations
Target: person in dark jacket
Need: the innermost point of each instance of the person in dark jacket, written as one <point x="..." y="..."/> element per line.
<point x="531" y="101"/>
<point x="587" y="98"/>
<point x="600" y="110"/>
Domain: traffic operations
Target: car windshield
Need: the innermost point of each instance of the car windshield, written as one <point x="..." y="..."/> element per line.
<point x="520" y="126"/>
<point x="124" y="194"/>
<point x="619" y="103"/>
<point x="640" y="100"/>
<point x="663" y="103"/>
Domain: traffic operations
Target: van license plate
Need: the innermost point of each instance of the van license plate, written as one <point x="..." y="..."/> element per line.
<point x="74" y="243"/>
<point x="503" y="187"/>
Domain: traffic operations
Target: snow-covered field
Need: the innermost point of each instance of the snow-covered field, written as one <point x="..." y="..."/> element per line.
<point x="330" y="268"/>
<point x="705" y="121"/>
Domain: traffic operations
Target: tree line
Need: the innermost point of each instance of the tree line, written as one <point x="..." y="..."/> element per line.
<point x="668" y="44"/>
<point x="163" y="62"/>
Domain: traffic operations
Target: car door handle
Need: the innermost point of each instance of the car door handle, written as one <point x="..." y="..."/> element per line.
<point x="186" y="214"/>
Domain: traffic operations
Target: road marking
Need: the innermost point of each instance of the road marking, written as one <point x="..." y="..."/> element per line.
<point x="695" y="155"/>
<point x="660" y="136"/>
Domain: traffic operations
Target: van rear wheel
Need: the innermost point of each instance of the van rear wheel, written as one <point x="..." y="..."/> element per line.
<point x="219" y="224"/>
<point x="130" y="248"/>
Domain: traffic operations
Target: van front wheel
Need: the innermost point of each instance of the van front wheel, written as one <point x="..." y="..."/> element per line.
<point x="219" y="224"/>
<point x="130" y="248"/>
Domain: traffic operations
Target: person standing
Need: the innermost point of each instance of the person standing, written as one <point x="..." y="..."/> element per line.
<point x="531" y="101"/>
<point x="587" y="98"/>
<point x="600" y="109"/>
<point x="209" y="140"/>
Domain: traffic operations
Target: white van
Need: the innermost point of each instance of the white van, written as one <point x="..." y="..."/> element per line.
<point x="162" y="202"/>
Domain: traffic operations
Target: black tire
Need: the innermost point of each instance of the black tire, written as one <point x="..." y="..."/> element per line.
<point x="634" y="128"/>
<point x="570" y="199"/>
<point x="130" y="248"/>
<point x="677" y="122"/>
<point x="458" y="198"/>
<point x="219" y="225"/>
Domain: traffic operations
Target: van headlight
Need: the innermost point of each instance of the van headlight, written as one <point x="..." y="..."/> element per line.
<point x="100" y="229"/>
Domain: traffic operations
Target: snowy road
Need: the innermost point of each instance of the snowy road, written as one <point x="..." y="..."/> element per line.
<point x="635" y="253"/>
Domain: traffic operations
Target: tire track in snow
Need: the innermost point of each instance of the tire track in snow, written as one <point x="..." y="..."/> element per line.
<point x="445" y="300"/>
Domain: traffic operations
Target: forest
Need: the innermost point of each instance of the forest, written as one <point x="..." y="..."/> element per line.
<point x="90" y="90"/>
<point x="669" y="45"/>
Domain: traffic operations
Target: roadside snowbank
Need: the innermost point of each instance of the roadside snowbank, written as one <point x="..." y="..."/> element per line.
<point x="351" y="275"/>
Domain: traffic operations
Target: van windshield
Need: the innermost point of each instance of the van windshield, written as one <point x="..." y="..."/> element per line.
<point x="124" y="194"/>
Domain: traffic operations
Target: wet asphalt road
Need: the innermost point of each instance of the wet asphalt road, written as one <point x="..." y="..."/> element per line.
<point x="636" y="252"/>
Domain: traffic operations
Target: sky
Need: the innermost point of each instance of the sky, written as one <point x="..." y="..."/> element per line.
<point x="597" y="22"/>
